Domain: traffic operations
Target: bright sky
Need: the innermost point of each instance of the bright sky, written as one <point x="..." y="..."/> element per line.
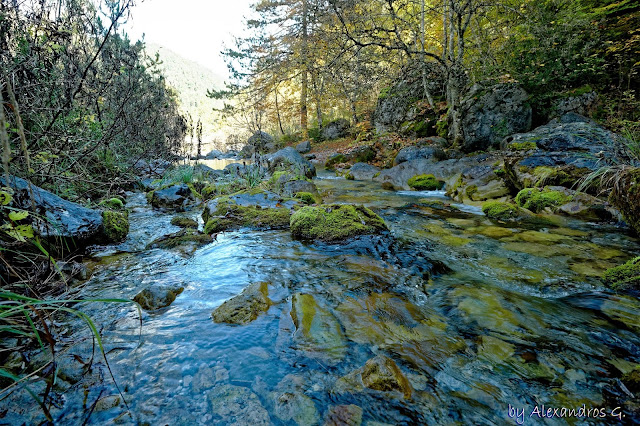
<point x="195" y="29"/>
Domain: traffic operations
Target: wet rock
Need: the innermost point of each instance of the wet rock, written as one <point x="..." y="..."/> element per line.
<point x="343" y="415"/>
<point x="336" y="129"/>
<point x="362" y="171"/>
<point x="107" y="402"/>
<point x="237" y="405"/>
<point x="184" y="222"/>
<point x="187" y="237"/>
<point x="289" y="158"/>
<point x="492" y="113"/>
<point x="291" y="188"/>
<point x="318" y="332"/>
<point x="246" y="211"/>
<point x="560" y="153"/>
<point x="245" y="307"/>
<point x="303" y="147"/>
<point x="63" y="218"/>
<point x="174" y="196"/>
<point x="335" y="222"/>
<point x="157" y="297"/>
<point x="379" y="373"/>
<point x="495" y="350"/>
<point x="290" y="402"/>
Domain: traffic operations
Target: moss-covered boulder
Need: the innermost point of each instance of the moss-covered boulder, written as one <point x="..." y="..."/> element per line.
<point x="425" y="183"/>
<point x="153" y="298"/>
<point x="185" y="237"/>
<point x="500" y="211"/>
<point x="306" y="197"/>
<point x="184" y="222"/>
<point x="115" y="225"/>
<point x="335" y="222"/>
<point x="624" y="276"/>
<point x="539" y="199"/>
<point x="335" y="160"/>
<point x="229" y="216"/>
<point x="114" y="203"/>
<point x="245" y="307"/>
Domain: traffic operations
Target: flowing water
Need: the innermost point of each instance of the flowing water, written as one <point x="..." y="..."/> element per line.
<point x="480" y="317"/>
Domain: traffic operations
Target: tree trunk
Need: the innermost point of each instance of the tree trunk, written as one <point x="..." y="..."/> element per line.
<point x="304" y="71"/>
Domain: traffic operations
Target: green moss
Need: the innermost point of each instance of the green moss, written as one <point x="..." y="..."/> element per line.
<point x="229" y="216"/>
<point x="500" y="211"/>
<point x="376" y="175"/>
<point x="472" y="189"/>
<point x="335" y="222"/>
<point x="522" y="146"/>
<point x="537" y="200"/>
<point x="624" y="276"/>
<point x="631" y="380"/>
<point x="442" y="128"/>
<point x="337" y="159"/>
<point x="425" y="183"/>
<point x="184" y="222"/>
<point x="185" y="236"/>
<point x="208" y="191"/>
<point x="349" y="176"/>
<point x="116" y="225"/>
<point x="500" y="172"/>
<point x="112" y="204"/>
<point x="306" y="197"/>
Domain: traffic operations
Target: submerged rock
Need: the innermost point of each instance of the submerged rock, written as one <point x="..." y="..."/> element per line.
<point x="157" y="297"/>
<point x="343" y="415"/>
<point x="237" y="405"/>
<point x="245" y="307"/>
<point x="335" y="222"/>
<point x="379" y="373"/>
<point x="318" y="332"/>
<point x="187" y="236"/>
<point x="290" y="402"/>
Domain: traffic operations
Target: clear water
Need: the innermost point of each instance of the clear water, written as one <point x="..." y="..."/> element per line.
<point x="520" y="319"/>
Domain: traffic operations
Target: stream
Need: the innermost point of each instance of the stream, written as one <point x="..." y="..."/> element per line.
<point x="482" y="318"/>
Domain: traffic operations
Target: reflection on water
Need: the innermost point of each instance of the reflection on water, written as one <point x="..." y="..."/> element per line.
<point x="220" y="164"/>
<point x="519" y="319"/>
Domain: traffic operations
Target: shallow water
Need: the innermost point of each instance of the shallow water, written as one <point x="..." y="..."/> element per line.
<point x="479" y="317"/>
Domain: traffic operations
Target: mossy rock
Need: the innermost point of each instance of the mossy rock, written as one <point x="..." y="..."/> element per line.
<point x="230" y="216"/>
<point x="184" y="222"/>
<point x="159" y="297"/>
<point x="336" y="159"/>
<point x="306" y="197"/>
<point x="522" y="146"/>
<point x="186" y="236"/>
<point x="632" y="380"/>
<point x="500" y="211"/>
<point x="425" y="183"/>
<point x="624" y="276"/>
<point x="245" y="307"/>
<point x="114" y="203"/>
<point x="335" y="222"/>
<point x="625" y="196"/>
<point x="115" y="225"/>
<point x="537" y="200"/>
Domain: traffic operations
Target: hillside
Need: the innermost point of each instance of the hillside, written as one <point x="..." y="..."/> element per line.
<point x="191" y="80"/>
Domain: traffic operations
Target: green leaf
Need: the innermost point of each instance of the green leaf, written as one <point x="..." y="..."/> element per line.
<point x="5" y="197"/>
<point x="19" y="215"/>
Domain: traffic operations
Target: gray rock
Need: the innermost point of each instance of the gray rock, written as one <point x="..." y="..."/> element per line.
<point x="237" y="405"/>
<point x="336" y="129"/>
<point x="175" y="196"/>
<point x="259" y="140"/>
<point x="263" y="199"/>
<point x="363" y="171"/>
<point x="490" y="114"/>
<point x="584" y="104"/>
<point x="291" y="188"/>
<point x="245" y="307"/>
<point x="414" y="153"/>
<point x="344" y="415"/>
<point x="292" y="160"/>
<point x="303" y="147"/>
<point x="63" y="218"/>
<point x="212" y="155"/>
<point x="157" y="297"/>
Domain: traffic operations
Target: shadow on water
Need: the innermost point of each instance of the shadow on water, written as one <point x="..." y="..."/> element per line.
<point x="477" y="315"/>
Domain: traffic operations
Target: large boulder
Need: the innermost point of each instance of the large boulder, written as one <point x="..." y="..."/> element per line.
<point x="428" y="149"/>
<point x="174" y="196"/>
<point x="213" y="154"/>
<point x="582" y="101"/>
<point x="336" y="129"/>
<point x="362" y="171"/>
<point x="62" y="218"/>
<point x="290" y="159"/>
<point x="337" y="222"/>
<point x="561" y="152"/>
<point x="489" y="114"/>
<point x="259" y="140"/>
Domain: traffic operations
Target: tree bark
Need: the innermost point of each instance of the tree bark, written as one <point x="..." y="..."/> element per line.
<point x="304" y="70"/>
